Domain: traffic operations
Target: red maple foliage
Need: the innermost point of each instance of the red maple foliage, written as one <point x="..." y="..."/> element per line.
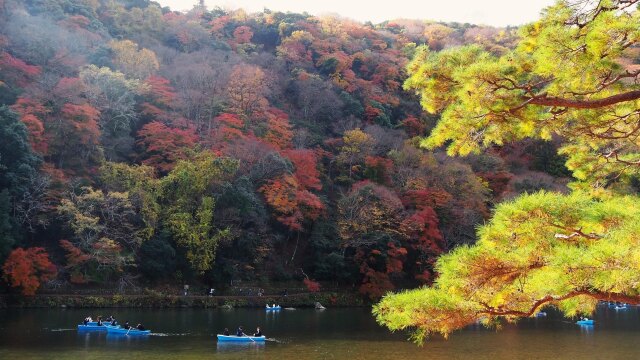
<point x="75" y="258"/>
<point x="379" y="169"/>
<point x="498" y="181"/>
<point x="312" y="286"/>
<point x="84" y="119"/>
<point x="413" y="126"/>
<point x="395" y="258"/>
<point x="280" y="194"/>
<point x="162" y="146"/>
<point x="28" y="268"/>
<point x="279" y="132"/>
<point x="422" y="228"/>
<point x="375" y="284"/>
<point x="310" y="205"/>
<point x="433" y="198"/>
<point x="291" y="204"/>
<point x="242" y="34"/>
<point x="31" y="113"/>
<point x="161" y="90"/>
<point x="17" y="70"/>
<point x="306" y="164"/>
<point x="69" y="90"/>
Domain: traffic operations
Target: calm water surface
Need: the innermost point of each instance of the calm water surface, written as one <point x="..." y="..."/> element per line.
<point x="307" y="334"/>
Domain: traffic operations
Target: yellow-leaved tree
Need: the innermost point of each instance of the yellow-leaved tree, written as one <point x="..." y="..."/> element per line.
<point x="571" y="75"/>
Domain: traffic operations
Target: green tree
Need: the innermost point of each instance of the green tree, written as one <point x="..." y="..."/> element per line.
<point x="188" y="203"/>
<point x="18" y="165"/>
<point x="565" y="77"/>
<point x="568" y="251"/>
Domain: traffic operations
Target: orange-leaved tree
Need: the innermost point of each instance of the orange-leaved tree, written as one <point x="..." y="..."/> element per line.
<point x="28" y="268"/>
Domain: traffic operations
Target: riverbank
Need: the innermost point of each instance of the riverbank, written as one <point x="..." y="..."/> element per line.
<point x="159" y="300"/>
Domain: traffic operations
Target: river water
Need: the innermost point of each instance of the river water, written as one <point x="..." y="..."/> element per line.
<point x="307" y="334"/>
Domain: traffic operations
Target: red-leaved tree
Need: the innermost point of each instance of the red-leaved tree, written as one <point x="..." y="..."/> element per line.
<point x="163" y="146"/>
<point x="27" y="269"/>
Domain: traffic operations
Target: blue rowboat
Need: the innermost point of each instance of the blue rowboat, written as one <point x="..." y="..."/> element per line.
<point x="241" y="338"/>
<point x="273" y="307"/>
<point x="82" y="327"/>
<point x="584" y="322"/>
<point x="123" y="331"/>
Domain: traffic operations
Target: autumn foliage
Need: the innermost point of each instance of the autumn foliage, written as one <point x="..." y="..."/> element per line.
<point x="27" y="269"/>
<point x="312" y="286"/>
<point x="162" y="145"/>
<point x="292" y="204"/>
<point x="242" y="143"/>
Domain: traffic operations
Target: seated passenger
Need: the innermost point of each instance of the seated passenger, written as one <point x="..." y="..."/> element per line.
<point x="140" y="327"/>
<point x="126" y="325"/>
<point x="258" y="332"/>
<point x="225" y="332"/>
<point x="99" y="321"/>
<point x="239" y="332"/>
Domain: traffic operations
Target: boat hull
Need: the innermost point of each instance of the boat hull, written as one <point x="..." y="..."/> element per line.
<point x="232" y="338"/>
<point x="273" y="308"/>
<point x="122" y="331"/>
<point x="91" y="328"/>
<point x="584" y="322"/>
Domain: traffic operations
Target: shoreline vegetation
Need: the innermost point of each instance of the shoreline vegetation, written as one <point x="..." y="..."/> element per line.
<point x="154" y="299"/>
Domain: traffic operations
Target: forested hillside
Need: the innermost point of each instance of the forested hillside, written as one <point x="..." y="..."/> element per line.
<point x="146" y="146"/>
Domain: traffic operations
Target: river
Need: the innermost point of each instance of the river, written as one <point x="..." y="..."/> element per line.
<point x="347" y="333"/>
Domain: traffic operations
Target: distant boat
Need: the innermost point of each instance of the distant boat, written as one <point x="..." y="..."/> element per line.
<point x="273" y="307"/>
<point x="585" y="322"/>
<point x="621" y="307"/>
<point x="241" y="338"/>
<point x="541" y="314"/>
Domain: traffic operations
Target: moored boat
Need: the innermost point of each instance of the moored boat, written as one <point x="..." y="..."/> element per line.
<point x="241" y="338"/>
<point x="585" y="322"/>
<point x="273" y="307"/>
<point x="123" y="331"/>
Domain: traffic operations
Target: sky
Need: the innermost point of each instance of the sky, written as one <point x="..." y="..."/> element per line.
<point x="481" y="12"/>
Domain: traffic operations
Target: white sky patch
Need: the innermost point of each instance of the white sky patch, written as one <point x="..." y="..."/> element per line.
<point x="481" y="12"/>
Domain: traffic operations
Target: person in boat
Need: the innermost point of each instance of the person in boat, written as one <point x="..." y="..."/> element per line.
<point x="99" y="321"/>
<point x="258" y="332"/>
<point x="140" y="327"/>
<point x="109" y="319"/>
<point x="87" y="320"/>
<point x="240" y="332"/>
<point x="113" y="321"/>
<point x="126" y="325"/>
<point x="225" y="332"/>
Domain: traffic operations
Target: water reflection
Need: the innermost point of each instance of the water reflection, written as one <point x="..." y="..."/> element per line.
<point x="124" y="338"/>
<point x="230" y="347"/>
<point x="586" y="329"/>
